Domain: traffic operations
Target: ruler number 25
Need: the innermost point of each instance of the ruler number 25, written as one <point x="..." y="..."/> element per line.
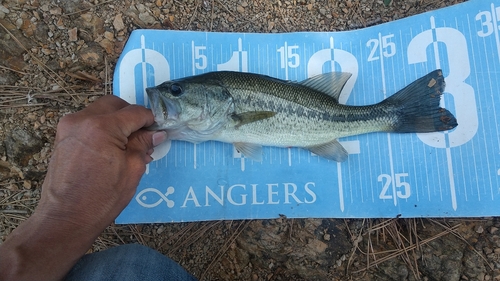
<point x="399" y="186"/>
<point x="384" y="45"/>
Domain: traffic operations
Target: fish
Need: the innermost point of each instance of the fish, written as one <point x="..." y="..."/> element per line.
<point x="252" y="110"/>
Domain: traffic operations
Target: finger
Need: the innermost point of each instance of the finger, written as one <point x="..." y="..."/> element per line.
<point x="104" y="105"/>
<point x="139" y="148"/>
<point x="132" y="118"/>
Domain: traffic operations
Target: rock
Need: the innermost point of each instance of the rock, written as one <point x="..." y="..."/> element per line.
<point x="10" y="52"/>
<point x="147" y="18"/>
<point x="108" y="46"/>
<point x="73" y="34"/>
<point x="42" y="32"/>
<point x="118" y="22"/>
<point x="493" y="230"/>
<point x="8" y="78"/>
<point x="4" y="170"/>
<point x="20" y="145"/>
<point x="92" y="56"/>
<point x="3" y="11"/>
<point x="72" y="6"/>
<point x="91" y="24"/>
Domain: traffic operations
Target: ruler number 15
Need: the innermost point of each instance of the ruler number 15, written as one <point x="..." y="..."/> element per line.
<point x="400" y="187"/>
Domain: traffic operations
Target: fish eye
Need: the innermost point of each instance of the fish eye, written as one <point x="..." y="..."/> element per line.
<point x="176" y="90"/>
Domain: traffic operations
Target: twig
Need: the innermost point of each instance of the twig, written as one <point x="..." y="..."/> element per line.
<point x="8" y="68"/>
<point x="412" y="247"/>
<point x="194" y="14"/>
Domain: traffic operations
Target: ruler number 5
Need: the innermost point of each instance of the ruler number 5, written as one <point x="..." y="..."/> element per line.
<point x="404" y="191"/>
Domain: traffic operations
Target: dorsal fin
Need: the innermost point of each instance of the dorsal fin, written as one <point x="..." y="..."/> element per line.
<point x="328" y="83"/>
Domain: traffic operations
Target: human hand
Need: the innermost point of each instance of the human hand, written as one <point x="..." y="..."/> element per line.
<point x="99" y="156"/>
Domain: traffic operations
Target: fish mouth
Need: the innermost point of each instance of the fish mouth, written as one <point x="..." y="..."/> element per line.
<point x="165" y="111"/>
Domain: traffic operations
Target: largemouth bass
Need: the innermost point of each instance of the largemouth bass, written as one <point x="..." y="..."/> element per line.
<point x="253" y="110"/>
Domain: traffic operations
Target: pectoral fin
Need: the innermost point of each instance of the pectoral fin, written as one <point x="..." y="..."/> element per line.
<point x="251" y="116"/>
<point x="332" y="151"/>
<point x="250" y="150"/>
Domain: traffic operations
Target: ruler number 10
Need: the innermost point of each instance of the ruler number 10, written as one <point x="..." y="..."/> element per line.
<point x="400" y="187"/>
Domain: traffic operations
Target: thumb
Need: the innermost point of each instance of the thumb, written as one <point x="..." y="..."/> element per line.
<point x="142" y="142"/>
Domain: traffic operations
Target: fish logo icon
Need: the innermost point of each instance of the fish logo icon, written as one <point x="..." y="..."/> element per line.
<point x="144" y="197"/>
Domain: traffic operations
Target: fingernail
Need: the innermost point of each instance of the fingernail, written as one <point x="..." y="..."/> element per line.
<point x="159" y="137"/>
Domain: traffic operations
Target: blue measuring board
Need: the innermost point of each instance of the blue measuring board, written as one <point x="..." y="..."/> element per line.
<point x="450" y="174"/>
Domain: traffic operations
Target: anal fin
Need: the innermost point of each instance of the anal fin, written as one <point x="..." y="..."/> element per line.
<point x="332" y="150"/>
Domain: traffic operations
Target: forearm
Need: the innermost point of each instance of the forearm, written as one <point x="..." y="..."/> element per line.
<point x="43" y="249"/>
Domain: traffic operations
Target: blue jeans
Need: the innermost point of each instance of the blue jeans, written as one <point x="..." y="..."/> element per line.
<point x="128" y="262"/>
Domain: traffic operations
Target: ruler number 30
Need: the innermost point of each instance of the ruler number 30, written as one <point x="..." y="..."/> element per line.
<point x="400" y="187"/>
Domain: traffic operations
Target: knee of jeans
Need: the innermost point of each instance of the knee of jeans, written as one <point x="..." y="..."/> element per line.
<point x="135" y="248"/>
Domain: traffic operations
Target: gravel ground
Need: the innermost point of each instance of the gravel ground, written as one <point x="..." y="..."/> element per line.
<point x="56" y="57"/>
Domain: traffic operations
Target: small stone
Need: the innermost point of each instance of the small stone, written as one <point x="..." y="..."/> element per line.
<point x="92" y="55"/>
<point x="270" y="25"/>
<point x="147" y="18"/>
<point x="12" y="187"/>
<point x="240" y="9"/>
<point x="118" y="22"/>
<point x="4" y="10"/>
<point x="493" y="230"/>
<point x="4" y="170"/>
<point x="19" y="23"/>
<point x="8" y="78"/>
<point x="73" y="34"/>
<point x="20" y="146"/>
<point x="317" y="246"/>
<point x="27" y="184"/>
<point x="55" y="11"/>
<point x="160" y="229"/>
<point x="326" y="237"/>
<point x="107" y="45"/>
<point x="86" y="17"/>
<point x="479" y="229"/>
<point x="109" y="35"/>
<point x="141" y="8"/>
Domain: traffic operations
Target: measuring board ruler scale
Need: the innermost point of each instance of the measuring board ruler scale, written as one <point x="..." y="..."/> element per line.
<point x="450" y="174"/>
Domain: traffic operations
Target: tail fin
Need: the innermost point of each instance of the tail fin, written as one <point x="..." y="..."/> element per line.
<point x="418" y="106"/>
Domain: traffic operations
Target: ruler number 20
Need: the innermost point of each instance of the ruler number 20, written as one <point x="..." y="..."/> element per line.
<point x="403" y="187"/>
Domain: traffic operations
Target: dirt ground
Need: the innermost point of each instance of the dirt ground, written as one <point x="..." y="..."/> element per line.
<point x="56" y="57"/>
